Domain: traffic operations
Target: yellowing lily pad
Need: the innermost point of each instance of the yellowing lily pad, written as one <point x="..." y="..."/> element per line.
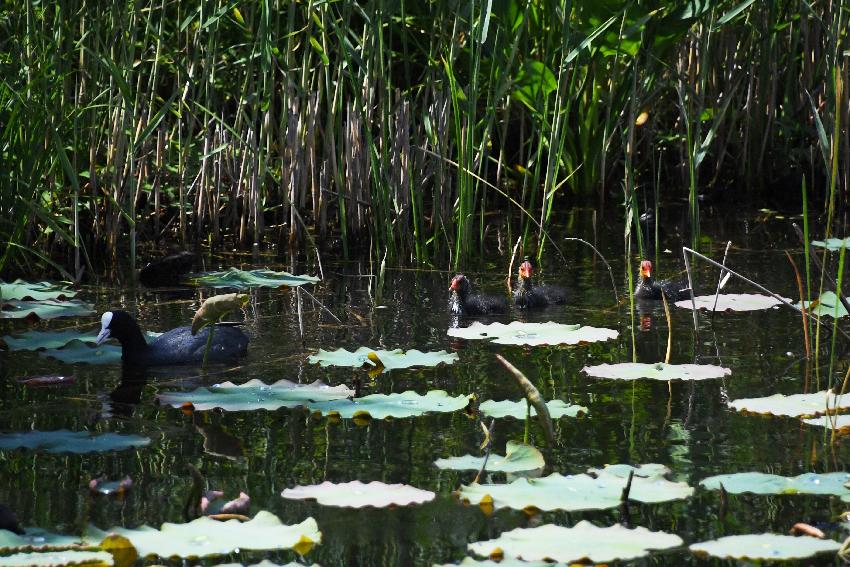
<point x="38" y="291"/>
<point x="382" y="406"/>
<point x="388" y="359"/>
<point x="795" y="405"/>
<point x="656" y="371"/>
<point x="833" y="243"/>
<point x="763" y="483"/>
<point x="765" y="547"/>
<point x="47" y="309"/>
<point x="828" y="305"/>
<point x="255" y="395"/>
<point x="733" y="302"/>
<point x="205" y="537"/>
<point x="582" y="543"/>
<point x="518" y="457"/>
<point x="241" y="279"/>
<point x="533" y="334"/>
<point x="64" y="441"/>
<point x="58" y="558"/>
<point x="355" y="494"/>
<point x="35" y="539"/>
<point x="519" y="410"/>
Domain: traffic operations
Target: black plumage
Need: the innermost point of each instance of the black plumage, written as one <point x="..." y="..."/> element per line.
<point x="463" y="302"/>
<point x="529" y="295"/>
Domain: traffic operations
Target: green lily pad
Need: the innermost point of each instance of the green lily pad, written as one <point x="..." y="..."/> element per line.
<point x="518" y="457"/>
<point x="19" y="289"/>
<point x="356" y="494"/>
<point x="254" y="395"/>
<point x="795" y="405"/>
<point x="833" y="243"/>
<point x="656" y="371"/>
<point x="599" y="490"/>
<point x="39" y="340"/>
<point x="733" y="302"/>
<point x="204" y="537"/>
<point x="241" y="279"/>
<point x="57" y="558"/>
<point x="267" y="563"/>
<point x="836" y="422"/>
<point x="64" y="441"/>
<point x="36" y="539"/>
<point x="506" y="562"/>
<point x="533" y="334"/>
<point x="827" y="305"/>
<point x="47" y="309"/>
<point x="79" y="350"/>
<point x="389" y="359"/>
<point x="763" y="483"/>
<point x="582" y="543"/>
<point x="765" y="547"/>
<point x="518" y="410"/>
<point x="382" y="406"/>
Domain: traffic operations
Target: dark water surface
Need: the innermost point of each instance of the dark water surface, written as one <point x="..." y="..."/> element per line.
<point x="689" y="428"/>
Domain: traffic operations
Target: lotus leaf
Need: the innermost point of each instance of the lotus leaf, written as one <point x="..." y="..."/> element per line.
<point x="733" y="302"/>
<point x="763" y="483"/>
<point x="578" y="492"/>
<point x="518" y="457"/>
<point x="533" y="334"/>
<point x="795" y="405"/>
<point x="582" y="543"/>
<point x="254" y="395"/>
<point x="518" y="410"/>
<point x="656" y="371"/>
<point x="76" y="351"/>
<point x="506" y="562"/>
<point x="765" y="547"/>
<point x="204" y="536"/>
<point x="35" y="539"/>
<point x="57" y="558"/>
<point x="356" y="494"/>
<point x="389" y="359"/>
<point x="382" y="406"/>
<point x="38" y="340"/>
<point x="64" y="441"/>
<point x="827" y="304"/>
<point x="836" y="422"/>
<point x="241" y="279"/>
<point x="47" y="309"/>
<point x="833" y="243"/>
<point x="19" y="289"/>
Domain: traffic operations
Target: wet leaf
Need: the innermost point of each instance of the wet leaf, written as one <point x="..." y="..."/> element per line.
<point x="765" y="547"/>
<point x="48" y="309"/>
<point x="216" y="307"/>
<point x="833" y="243"/>
<point x="76" y="351"/>
<point x="828" y="305"/>
<point x="518" y="457"/>
<point x="36" y="539"/>
<point x="533" y="334"/>
<point x="38" y="291"/>
<point x="58" y="558"/>
<point x="254" y="395"/>
<point x="65" y="441"/>
<point x="763" y="483"/>
<point x="388" y="359"/>
<point x="240" y="279"/>
<point x="382" y="406"/>
<point x="795" y="405"/>
<point x="733" y="302"/>
<point x="656" y="371"/>
<point x="519" y="409"/>
<point x="356" y="494"/>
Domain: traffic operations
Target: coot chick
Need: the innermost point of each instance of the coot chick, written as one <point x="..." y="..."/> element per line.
<point x="529" y="295"/>
<point x="168" y="271"/>
<point x="463" y="302"/>
<point x="649" y="288"/>
<point x="176" y="347"/>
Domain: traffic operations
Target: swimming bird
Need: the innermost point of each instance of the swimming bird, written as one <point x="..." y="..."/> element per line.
<point x="649" y="288"/>
<point x="529" y="295"/>
<point x="463" y="302"/>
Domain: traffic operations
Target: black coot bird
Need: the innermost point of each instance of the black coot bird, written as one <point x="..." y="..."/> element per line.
<point x="529" y="295"/>
<point x="649" y="288"/>
<point x="176" y="347"/>
<point x="463" y="302"/>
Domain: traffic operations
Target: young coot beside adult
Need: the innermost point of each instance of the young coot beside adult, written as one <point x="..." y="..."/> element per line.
<point x="529" y="295"/>
<point x="649" y="288"/>
<point x="463" y="302"/>
<point x="175" y="347"/>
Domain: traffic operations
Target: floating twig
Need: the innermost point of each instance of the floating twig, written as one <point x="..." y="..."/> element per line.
<point x="532" y="394"/>
<point x="720" y="280"/>
<point x="488" y="444"/>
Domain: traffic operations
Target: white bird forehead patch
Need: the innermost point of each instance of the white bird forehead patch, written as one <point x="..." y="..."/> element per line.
<point x="105" y="320"/>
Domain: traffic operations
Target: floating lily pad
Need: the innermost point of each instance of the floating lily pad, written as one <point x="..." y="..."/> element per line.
<point x="58" y="558"/>
<point x="533" y="334"/>
<point x="765" y="547"/>
<point x="582" y="543"/>
<point x="506" y="562"/>
<point x="355" y="494"/>
<point x="763" y="483"/>
<point x="795" y="405"/>
<point x="77" y="351"/>
<point x="38" y="291"/>
<point x="241" y="279"/>
<point x="518" y="457"/>
<point x="599" y="491"/>
<point x="733" y="302"/>
<point x="656" y="371"/>
<point x="38" y="340"/>
<point x="35" y="539"/>
<point x="382" y="406"/>
<point x="833" y="243"/>
<point x="64" y="441"/>
<point x="518" y="410"/>
<point x="836" y="422"/>
<point x="48" y="309"/>
<point x="205" y="537"/>
<point x="254" y="395"/>
<point x="389" y="359"/>
<point x="827" y="304"/>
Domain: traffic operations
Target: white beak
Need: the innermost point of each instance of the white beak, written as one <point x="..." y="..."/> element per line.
<point x="105" y="321"/>
<point x="102" y="336"/>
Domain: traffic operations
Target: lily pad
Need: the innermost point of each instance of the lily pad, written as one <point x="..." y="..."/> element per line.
<point x="58" y="558"/>
<point x="254" y="395"/>
<point x="35" y="539"/>
<point x="204" y="537"/>
<point x="38" y="291"/>
<point x="241" y="279"/>
<point x="48" y="309"/>
<point x="382" y="406"/>
<point x="582" y="543"/>
<point x="656" y="371"/>
<point x="388" y="359"/>
<point x="355" y="494"/>
<point x="795" y="405"/>
<point x="733" y="302"/>
<point x="828" y="305"/>
<point x="763" y="483"/>
<point x="836" y="422"/>
<point x="506" y="562"/>
<point x="64" y="441"/>
<point x="533" y="334"/>
<point x="833" y="243"/>
<point x="518" y="457"/>
<point x="765" y="547"/>
<point x="80" y="351"/>
<point x="599" y="491"/>
<point x="518" y="410"/>
<point x="38" y="340"/>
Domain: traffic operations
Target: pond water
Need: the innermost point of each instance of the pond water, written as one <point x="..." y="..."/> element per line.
<point x="687" y="427"/>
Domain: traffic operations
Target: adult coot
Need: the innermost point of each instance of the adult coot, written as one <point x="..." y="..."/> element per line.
<point x="177" y="346"/>
<point x="649" y="288"/>
<point x="463" y="302"/>
<point x="529" y="295"/>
